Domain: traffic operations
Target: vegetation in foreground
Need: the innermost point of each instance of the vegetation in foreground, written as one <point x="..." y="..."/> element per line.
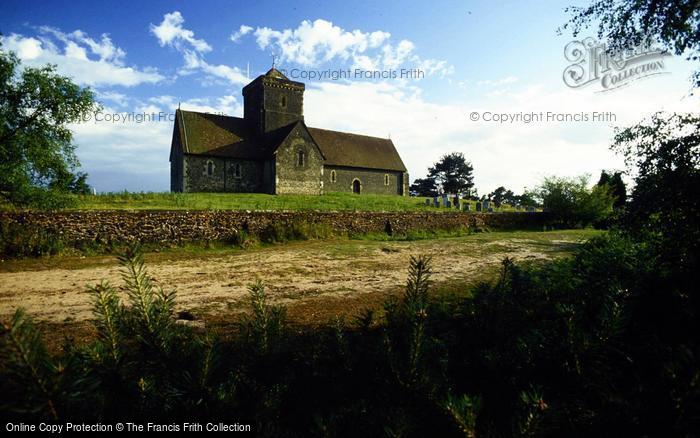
<point x="579" y="346"/>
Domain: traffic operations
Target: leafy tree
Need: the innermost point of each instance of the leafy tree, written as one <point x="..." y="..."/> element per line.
<point x="502" y="196"/>
<point x="37" y="158"/>
<point x="424" y="187"/>
<point x="664" y="152"/>
<point x="617" y="187"/>
<point x="453" y="173"/>
<point x="572" y="202"/>
<point x="527" y="199"/>
<point x="628" y="23"/>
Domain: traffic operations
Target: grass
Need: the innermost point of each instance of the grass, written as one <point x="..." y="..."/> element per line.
<point x="560" y="241"/>
<point x="257" y="201"/>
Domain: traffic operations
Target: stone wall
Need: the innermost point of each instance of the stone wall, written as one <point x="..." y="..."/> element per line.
<point x="223" y="177"/>
<point x="371" y="180"/>
<point x="290" y="177"/>
<point x="200" y="225"/>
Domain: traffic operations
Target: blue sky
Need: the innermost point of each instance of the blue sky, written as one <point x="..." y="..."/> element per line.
<point x="149" y="57"/>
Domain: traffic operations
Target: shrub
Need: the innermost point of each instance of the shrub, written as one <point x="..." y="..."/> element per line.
<point x="572" y="203"/>
<point x="19" y="240"/>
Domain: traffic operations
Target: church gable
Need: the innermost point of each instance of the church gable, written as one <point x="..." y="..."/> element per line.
<point x="298" y="163"/>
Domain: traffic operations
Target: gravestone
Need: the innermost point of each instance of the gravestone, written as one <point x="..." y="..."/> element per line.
<point x="444" y="201"/>
<point x="490" y="210"/>
<point x="465" y="206"/>
<point x="486" y="205"/>
<point x="427" y="202"/>
<point x="478" y="205"/>
<point x="436" y="203"/>
<point x="448" y="204"/>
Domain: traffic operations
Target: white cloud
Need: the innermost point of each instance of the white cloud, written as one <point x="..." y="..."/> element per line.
<point x="170" y="32"/>
<point x="502" y="81"/>
<point x="313" y="43"/>
<point x="194" y="62"/>
<point x="74" y="59"/>
<point x="25" y="48"/>
<point x="511" y="154"/>
<point x="118" y="98"/>
<point x="242" y="31"/>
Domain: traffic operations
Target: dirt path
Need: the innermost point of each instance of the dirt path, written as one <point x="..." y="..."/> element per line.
<point x="318" y="276"/>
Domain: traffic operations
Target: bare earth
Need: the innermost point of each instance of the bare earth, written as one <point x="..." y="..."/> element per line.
<point x="316" y="279"/>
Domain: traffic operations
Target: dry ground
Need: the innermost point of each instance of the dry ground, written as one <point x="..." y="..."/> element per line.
<point x="315" y="279"/>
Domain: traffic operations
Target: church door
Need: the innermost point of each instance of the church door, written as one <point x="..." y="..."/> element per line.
<point x="356" y="186"/>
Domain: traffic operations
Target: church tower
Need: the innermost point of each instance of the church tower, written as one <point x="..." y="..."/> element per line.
<point x="272" y="101"/>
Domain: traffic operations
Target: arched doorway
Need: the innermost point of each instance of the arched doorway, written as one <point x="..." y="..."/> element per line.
<point x="356" y="186"/>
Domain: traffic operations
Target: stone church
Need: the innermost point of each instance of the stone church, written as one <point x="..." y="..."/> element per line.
<point x="271" y="150"/>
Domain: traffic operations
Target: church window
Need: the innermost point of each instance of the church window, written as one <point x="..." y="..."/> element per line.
<point x="386" y="179"/>
<point x="210" y="168"/>
<point x="283" y="103"/>
<point x="333" y="177"/>
<point x="301" y="158"/>
<point x="237" y="170"/>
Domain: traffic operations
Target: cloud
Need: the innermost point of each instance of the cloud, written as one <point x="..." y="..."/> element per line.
<point x="87" y="61"/>
<point x="503" y="81"/>
<point x="315" y="42"/>
<point x="242" y="31"/>
<point x="195" y="62"/>
<point x="170" y="32"/>
<point x="514" y="155"/>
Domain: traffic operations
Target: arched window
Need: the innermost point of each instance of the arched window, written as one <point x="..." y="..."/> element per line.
<point x="386" y="179"/>
<point x="210" y="168"/>
<point x="283" y="102"/>
<point x="333" y="176"/>
<point x="301" y="158"/>
<point x="237" y="170"/>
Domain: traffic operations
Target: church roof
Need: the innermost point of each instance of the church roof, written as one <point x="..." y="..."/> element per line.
<point x="354" y="150"/>
<point x="217" y="135"/>
<point x="274" y="73"/>
<point x="230" y="137"/>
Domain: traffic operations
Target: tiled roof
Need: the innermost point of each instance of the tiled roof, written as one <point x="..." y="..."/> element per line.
<point x="225" y="136"/>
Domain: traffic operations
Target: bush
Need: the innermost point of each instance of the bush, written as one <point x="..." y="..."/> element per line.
<point x="18" y="240"/>
<point x="572" y="203"/>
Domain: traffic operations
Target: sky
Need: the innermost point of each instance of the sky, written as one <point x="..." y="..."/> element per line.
<point x="486" y="79"/>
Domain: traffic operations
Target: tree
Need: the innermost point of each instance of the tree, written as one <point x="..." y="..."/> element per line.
<point x="613" y="180"/>
<point x="453" y="173"/>
<point x="424" y="187"/>
<point x="572" y="203"/>
<point x="664" y="152"/>
<point x="37" y="158"/>
<point x="626" y="23"/>
<point x="502" y="196"/>
<point x="527" y="199"/>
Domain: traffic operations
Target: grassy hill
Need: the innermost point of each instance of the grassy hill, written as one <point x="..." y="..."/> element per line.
<point x="255" y="201"/>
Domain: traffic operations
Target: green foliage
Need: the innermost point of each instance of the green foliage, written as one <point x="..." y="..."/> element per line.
<point x="28" y="367"/>
<point x="664" y="155"/>
<point x="265" y="327"/>
<point x="572" y="203"/>
<point x="37" y="157"/>
<point x="424" y="187"/>
<point x="20" y="240"/>
<point x="616" y="187"/>
<point x="453" y="173"/>
<point x="625" y="24"/>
